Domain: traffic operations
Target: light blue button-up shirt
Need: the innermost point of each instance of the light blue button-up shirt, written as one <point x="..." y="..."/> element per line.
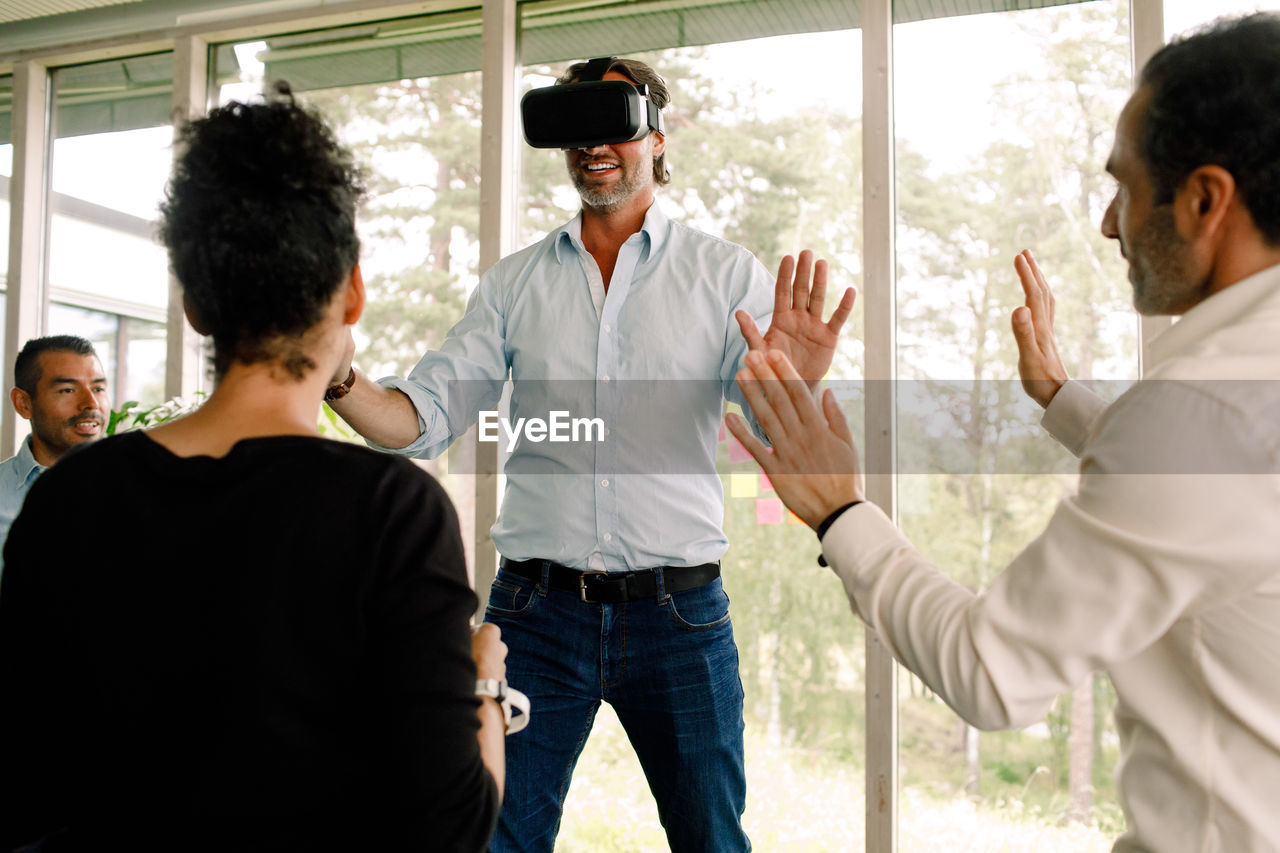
<point x="17" y="473"/>
<point x="652" y="358"/>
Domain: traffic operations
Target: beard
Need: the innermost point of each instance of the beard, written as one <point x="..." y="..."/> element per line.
<point x="58" y="435"/>
<point x="1160" y="267"/>
<point x="606" y="198"/>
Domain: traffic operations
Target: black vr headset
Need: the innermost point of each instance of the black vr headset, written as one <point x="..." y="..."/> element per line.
<point x="590" y="112"/>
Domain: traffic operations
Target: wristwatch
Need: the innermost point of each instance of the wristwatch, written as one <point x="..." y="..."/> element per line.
<point x="342" y="389"/>
<point x="509" y="698"/>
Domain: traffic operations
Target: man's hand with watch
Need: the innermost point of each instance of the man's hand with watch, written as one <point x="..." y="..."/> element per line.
<point x="509" y="698"/>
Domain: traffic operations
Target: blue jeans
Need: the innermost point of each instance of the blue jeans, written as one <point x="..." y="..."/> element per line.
<point x="669" y="667"/>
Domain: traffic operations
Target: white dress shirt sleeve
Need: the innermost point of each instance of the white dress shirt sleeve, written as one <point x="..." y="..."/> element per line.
<point x="756" y="297"/>
<point x="451" y="385"/>
<point x="1151" y="536"/>
<point x="1072" y="416"/>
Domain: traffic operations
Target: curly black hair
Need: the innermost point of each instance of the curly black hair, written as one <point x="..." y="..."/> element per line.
<point x="259" y="220"/>
<point x="1215" y="99"/>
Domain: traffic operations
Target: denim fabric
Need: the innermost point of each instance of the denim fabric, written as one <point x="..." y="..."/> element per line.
<point x="668" y="666"/>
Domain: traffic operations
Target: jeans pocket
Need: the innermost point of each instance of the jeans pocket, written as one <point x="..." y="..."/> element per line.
<point x="511" y="595"/>
<point x="700" y="609"/>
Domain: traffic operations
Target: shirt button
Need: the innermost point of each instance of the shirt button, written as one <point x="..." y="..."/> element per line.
<point x="604" y="483"/>
<point x="608" y="328"/>
<point x="606" y="430"/>
<point x="604" y="378"/>
<point x="608" y="537"/>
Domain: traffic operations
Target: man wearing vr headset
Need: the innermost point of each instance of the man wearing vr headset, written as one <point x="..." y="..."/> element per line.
<point x="609" y="588"/>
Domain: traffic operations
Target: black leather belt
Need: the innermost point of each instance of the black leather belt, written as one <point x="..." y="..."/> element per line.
<point x="614" y="587"/>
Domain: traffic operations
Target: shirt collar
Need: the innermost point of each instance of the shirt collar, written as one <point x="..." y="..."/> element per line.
<point x="1250" y="296"/>
<point x="27" y="461"/>
<point x="654" y="230"/>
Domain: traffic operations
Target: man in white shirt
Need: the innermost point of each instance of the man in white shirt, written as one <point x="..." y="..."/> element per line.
<point x="609" y="588"/>
<point x="1164" y="569"/>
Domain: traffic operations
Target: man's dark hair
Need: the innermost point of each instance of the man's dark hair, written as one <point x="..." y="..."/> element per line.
<point x="26" y="367"/>
<point x="1215" y="99"/>
<point x="641" y="74"/>
<point x="259" y="219"/>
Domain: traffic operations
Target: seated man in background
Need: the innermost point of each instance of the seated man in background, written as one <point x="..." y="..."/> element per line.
<point x="264" y="643"/>
<point x="60" y="387"/>
<point x="1164" y="569"/>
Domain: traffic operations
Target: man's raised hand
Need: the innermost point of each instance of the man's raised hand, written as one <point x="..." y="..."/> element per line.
<point x="797" y="329"/>
<point x="1039" y="363"/>
<point x="813" y="465"/>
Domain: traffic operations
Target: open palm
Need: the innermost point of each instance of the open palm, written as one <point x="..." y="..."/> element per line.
<point x="797" y="329"/>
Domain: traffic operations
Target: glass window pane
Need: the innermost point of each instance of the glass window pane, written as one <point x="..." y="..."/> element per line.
<point x="1002" y="152"/>
<point x="404" y="95"/>
<point x="145" y="354"/>
<point x="6" y="171"/>
<point x="109" y="164"/>
<point x="1183" y="15"/>
<point x="417" y="132"/>
<point x="767" y="154"/>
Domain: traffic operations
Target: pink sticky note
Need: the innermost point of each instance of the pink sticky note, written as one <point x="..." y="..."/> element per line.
<point x="723" y="432"/>
<point x="765" y="485"/>
<point x="737" y="453"/>
<point x="769" y="511"/>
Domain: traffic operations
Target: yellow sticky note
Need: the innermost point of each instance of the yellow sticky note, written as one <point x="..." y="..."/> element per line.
<point x="744" y="485"/>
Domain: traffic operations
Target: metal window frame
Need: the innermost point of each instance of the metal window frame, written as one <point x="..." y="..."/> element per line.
<point x="25" y="298"/>
<point x="190" y="38"/>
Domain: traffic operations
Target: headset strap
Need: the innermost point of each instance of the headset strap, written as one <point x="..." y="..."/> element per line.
<point x="595" y="69"/>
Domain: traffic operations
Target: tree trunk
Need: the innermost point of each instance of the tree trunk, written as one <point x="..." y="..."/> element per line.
<point x="441" y="232"/>
<point x="972" y="757"/>
<point x="1080" y="746"/>
<point x="774" y="728"/>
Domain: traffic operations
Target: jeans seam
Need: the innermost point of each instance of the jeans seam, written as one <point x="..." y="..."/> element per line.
<point x="622" y="645"/>
<point x="568" y="776"/>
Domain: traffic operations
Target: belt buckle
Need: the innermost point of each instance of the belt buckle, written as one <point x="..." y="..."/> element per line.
<point x="582" y="585"/>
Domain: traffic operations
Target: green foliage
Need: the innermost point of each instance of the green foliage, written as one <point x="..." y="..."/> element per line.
<point x="129" y="417"/>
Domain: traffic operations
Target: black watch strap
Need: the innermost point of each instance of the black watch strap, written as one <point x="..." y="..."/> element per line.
<point x="822" y="528"/>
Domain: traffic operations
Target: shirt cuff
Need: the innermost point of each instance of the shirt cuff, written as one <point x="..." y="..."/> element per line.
<point x="856" y="546"/>
<point x="419" y="444"/>
<point x="1072" y="415"/>
<point x="822" y="528"/>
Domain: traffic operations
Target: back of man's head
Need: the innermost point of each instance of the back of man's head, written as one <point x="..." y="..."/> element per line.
<point x="26" y="368"/>
<point x="640" y="73"/>
<point x="259" y="220"/>
<point x="1215" y="100"/>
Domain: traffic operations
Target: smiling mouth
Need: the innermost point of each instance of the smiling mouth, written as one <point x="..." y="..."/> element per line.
<point x="87" y="427"/>
<point x="599" y="168"/>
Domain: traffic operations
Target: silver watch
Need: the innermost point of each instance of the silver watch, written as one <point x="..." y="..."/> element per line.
<point x="509" y="698"/>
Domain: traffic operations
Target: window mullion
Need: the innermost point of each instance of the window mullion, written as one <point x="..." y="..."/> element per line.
<point x="28" y="224"/>
<point x="879" y="316"/>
